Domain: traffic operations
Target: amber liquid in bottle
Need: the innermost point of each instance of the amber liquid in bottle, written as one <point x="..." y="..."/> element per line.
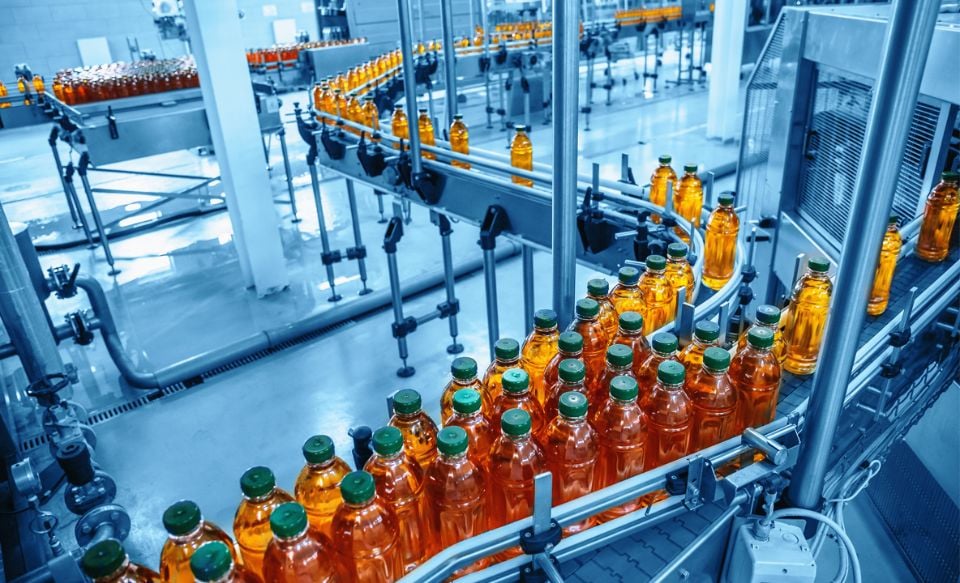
<point x="939" y="216"/>
<point x="720" y="245"/>
<point x="809" y="308"/>
<point x="669" y="417"/>
<point x="705" y="335"/>
<point x="755" y="373"/>
<point x="538" y="349"/>
<point x="251" y="526"/>
<point x="659" y="298"/>
<point x="328" y="104"/>
<point x="516" y="395"/>
<point x="521" y="155"/>
<point x="209" y="566"/>
<point x="304" y="556"/>
<point x="177" y="550"/>
<point x="354" y="113"/>
<point x="365" y="534"/>
<point x="598" y="290"/>
<point x="419" y="433"/>
<point x="886" y="265"/>
<point x="468" y="415"/>
<point x="459" y="140"/>
<point x="425" y="125"/>
<point x="68" y="97"/>
<point x="630" y="333"/>
<point x="571" y="447"/>
<point x="399" y="126"/>
<point x="664" y="349"/>
<point x="318" y="486"/>
<point x="663" y="175"/>
<point x="572" y="374"/>
<point x="619" y="363"/>
<point x="688" y="202"/>
<point x="462" y="379"/>
<point x="714" y="400"/>
<point x="570" y="346"/>
<point x="772" y="319"/>
<point x="371" y="118"/>
<point x="595" y="340"/>
<point x="622" y="432"/>
<point x="626" y="296"/>
<point x="506" y="356"/>
<point x="680" y="272"/>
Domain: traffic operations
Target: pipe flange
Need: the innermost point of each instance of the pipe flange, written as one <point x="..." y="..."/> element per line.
<point x="99" y="491"/>
<point x="25" y="480"/>
<point x="102" y="522"/>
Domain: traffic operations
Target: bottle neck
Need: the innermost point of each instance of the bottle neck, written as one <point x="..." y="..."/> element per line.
<point x="507" y="363"/>
<point x="290" y="540"/>
<point x="517" y="439"/>
<point x="258" y="499"/>
<point x="407" y="416"/>
<point x="189" y="537"/>
<point x="622" y="402"/>
<point x="713" y="372"/>
<point x="629" y="333"/>
<point x="451" y="458"/>
<point x="654" y="272"/>
<point x="818" y="275"/>
<point x="663" y="355"/>
<point x="544" y="331"/>
<point x="572" y="420"/>
<point x="571" y="384"/>
<point x="760" y="350"/>
<point x="670" y="387"/>
<point x="588" y="318"/>
<point x="566" y="355"/>
<point x="517" y="395"/>
<point x="468" y="416"/>
<point x="321" y="465"/>
<point x="617" y="368"/>
<point x="465" y="382"/>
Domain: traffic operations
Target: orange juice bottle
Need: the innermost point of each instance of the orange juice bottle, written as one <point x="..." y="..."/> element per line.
<point x="630" y="333"/>
<point x="38" y="84"/>
<point x="571" y="447"/>
<point x="659" y="298"/>
<point x="213" y="562"/>
<point x="569" y="345"/>
<point x="705" y="334"/>
<point x="720" y="244"/>
<point x="427" y="137"/>
<point x="296" y="553"/>
<point x="622" y="432"/>
<point x="516" y="395"/>
<point x="572" y="373"/>
<point x="399" y="483"/>
<point x="188" y="531"/>
<point x="464" y="373"/>
<point x="107" y="562"/>
<point x="768" y="317"/>
<point x="538" y="349"/>
<point x="251" y="523"/>
<point x="468" y="415"/>
<point x="318" y="485"/>
<point x="354" y="112"/>
<point x="663" y="175"/>
<point x="886" y="264"/>
<point x="418" y="429"/>
<point x="455" y="494"/>
<point x="365" y="532"/>
<point x="597" y="289"/>
<point x="328" y="104"/>
<point x="669" y="415"/>
<point x="514" y="462"/>
<point x="679" y="272"/>
<point x="939" y="215"/>
<point x="755" y="372"/>
<point x="626" y="296"/>
<point x="4" y="93"/>
<point x="664" y="348"/>
<point x="688" y="199"/>
<point x="595" y="340"/>
<point x="459" y="140"/>
<point x="521" y="154"/>
<point x="809" y="307"/>
<point x="619" y="362"/>
<point x="506" y="355"/>
<point x="317" y="95"/>
<point x="714" y="400"/>
<point x="371" y="117"/>
<point x="341" y="106"/>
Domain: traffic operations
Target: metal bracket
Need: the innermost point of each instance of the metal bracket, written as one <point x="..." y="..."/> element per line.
<point x="372" y="159"/>
<point x="429" y="185"/>
<point x="403" y="328"/>
<point x="336" y="150"/>
<point x="494" y="222"/>
<point x="62" y="280"/>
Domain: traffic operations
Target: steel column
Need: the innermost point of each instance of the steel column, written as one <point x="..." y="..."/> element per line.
<point x="906" y="46"/>
<point x="490" y="292"/>
<point x="322" y="223"/>
<point x="528" y="297"/>
<point x="409" y="84"/>
<point x="95" y="212"/>
<point x="357" y="238"/>
<point x="449" y="59"/>
<point x="282" y="134"/>
<point x="448" y="280"/>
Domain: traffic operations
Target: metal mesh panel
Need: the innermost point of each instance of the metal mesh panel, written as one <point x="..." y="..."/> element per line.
<point x="832" y="154"/>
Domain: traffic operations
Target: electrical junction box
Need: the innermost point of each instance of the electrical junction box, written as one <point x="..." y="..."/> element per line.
<point x="784" y="557"/>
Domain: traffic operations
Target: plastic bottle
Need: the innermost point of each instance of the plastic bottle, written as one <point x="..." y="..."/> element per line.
<point x="188" y="531"/>
<point x="514" y="462"/>
<point x="688" y="202"/>
<point x="663" y="175"/>
<point x="68" y="99"/>
<point x="664" y="348"/>
<point x="365" y="532"/>
<point x="399" y="483"/>
<point x="107" y="562"/>
<point x="506" y="355"/>
<point x="755" y="372"/>
<point x="569" y="346"/>
<point x="521" y="154"/>
<point x="468" y="415"/>
<point x="38" y="84"/>
<point x="809" y="306"/>
<point x="705" y="334"/>
<point x="571" y="447"/>
<point x="679" y="271"/>
<point x="886" y="265"/>
<point x="296" y="553"/>
<point x="622" y="432"/>
<point x="399" y="126"/>
<point x="455" y="494"/>
<point x="214" y="563"/>
<point x="341" y="105"/>
<point x="464" y="373"/>
<point x="418" y="429"/>
<point x="459" y="140"/>
<point x="626" y="296"/>
<point x="317" y="95"/>
<point x="516" y="395"/>
<point x="714" y="400"/>
<point x="630" y="333"/>
<point x="659" y="298"/>
<point x="251" y="523"/>
<point x="619" y="362"/>
<point x="597" y="289"/>
<point x="354" y="113"/>
<point x="669" y="416"/>
<point x="939" y="215"/>
<point x="328" y="104"/>
<point x="427" y="138"/>
<point x="572" y="373"/>
<point x="318" y="485"/>
<point x="595" y="339"/>
<point x="371" y="117"/>
<point x="538" y="349"/>
<point x="767" y="317"/>
<point x="720" y="244"/>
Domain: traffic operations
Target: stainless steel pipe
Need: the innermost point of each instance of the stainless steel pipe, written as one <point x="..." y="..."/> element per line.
<point x="449" y="59"/>
<point x="409" y="83"/>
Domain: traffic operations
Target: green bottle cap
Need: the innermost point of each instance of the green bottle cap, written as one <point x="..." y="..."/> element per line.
<point x="288" y="520"/>
<point x="407" y="402"/>
<point x="670" y="372"/>
<point x="257" y="481"/>
<point x="545" y="319"/>
<point x="387" y="441"/>
<point x="452" y="440"/>
<point x="691" y="168"/>
<point x="706" y="331"/>
<point x="656" y="262"/>
<point x="818" y="264"/>
<point x="624" y="388"/>
<point x="725" y="199"/>
<point x="467" y="401"/>
<point x="515" y="422"/>
<point x="103" y="559"/>
<point x="572" y="370"/>
<point x="666" y="158"/>
<point x="570" y="342"/>
<point x="631" y="321"/>
<point x="950" y="176"/>
<point x="587" y="308"/>
<point x="678" y="250"/>
<point x="357" y="487"/>
<point x="506" y="349"/>
<point x="211" y="562"/>
<point x="767" y="314"/>
<point x="598" y="287"/>
<point x="716" y="359"/>
<point x="181" y="517"/>
<point x="464" y="368"/>
<point x="515" y="380"/>
<point x="318" y="449"/>
<point x="573" y="405"/>
<point x="893" y="220"/>
<point x="760" y="337"/>
<point x="628" y="275"/>
<point x="619" y="355"/>
<point x="665" y="343"/>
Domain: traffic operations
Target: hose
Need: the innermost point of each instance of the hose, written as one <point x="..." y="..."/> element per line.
<point x="829" y="522"/>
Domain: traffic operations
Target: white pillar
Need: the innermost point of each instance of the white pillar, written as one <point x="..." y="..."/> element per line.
<point x="729" y="26"/>
<point x="214" y="27"/>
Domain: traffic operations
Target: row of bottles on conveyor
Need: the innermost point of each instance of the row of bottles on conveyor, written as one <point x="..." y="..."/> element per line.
<point x="24" y="88"/>
<point x="271" y="59"/>
<point x="118" y="80"/>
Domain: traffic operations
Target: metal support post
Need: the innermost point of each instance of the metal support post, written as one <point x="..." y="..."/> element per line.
<point x="282" y="135"/>
<point x="907" y="44"/>
<point x="528" y="298"/>
<point x="358" y="247"/>
<point x="609" y="82"/>
<point x="400" y="324"/>
<point x="493" y="224"/>
<point x="443" y="223"/>
<point x="449" y="58"/>
<point x="71" y="191"/>
<point x="503" y="108"/>
<point x="324" y="239"/>
<point x="891" y="369"/>
<point x="380" y="194"/>
<point x="95" y="212"/>
<point x="409" y="84"/>
<point x="75" y="211"/>
<point x="420" y="22"/>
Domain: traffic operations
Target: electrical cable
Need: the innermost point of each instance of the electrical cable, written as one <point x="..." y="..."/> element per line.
<point x="826" y="520"/>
